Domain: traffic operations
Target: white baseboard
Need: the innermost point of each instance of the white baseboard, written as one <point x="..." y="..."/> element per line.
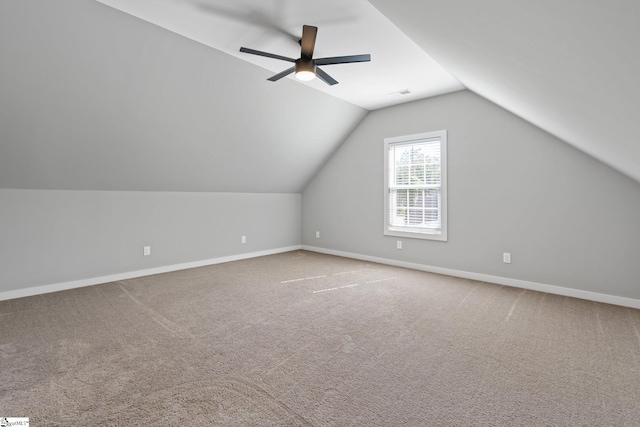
<point x="37" y="290"/>
<point x="557" y="290"/>
<point x="533" y="286"/>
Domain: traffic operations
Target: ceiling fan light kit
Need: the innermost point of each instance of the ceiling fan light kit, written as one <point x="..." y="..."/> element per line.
<point x="305" y="67"/>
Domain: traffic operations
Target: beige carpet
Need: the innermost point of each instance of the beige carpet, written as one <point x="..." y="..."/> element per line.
<point x="308" y="339"/>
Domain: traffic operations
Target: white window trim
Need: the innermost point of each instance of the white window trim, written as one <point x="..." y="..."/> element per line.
<point x="408" y="139"/>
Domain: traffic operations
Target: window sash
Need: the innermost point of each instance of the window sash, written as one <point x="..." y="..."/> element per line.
<point x="406" y="213"/>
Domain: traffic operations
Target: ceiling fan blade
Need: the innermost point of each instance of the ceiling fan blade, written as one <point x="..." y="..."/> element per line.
<point x="267" y="54"/>
<point x="308" y="41"/>
<point x="343" y="59"/>
<point x="282" y="74"/>
<point x="325" y="77"/>
<point x="257" y="18"/>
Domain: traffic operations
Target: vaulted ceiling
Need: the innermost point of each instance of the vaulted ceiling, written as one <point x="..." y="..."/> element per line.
<point x="400" y="71"/>
<point x="570" y="67"/>
<point x="95" y="99"/>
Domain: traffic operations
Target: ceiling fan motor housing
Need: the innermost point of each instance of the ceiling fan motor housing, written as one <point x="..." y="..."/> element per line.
<point x="305" y="67"/>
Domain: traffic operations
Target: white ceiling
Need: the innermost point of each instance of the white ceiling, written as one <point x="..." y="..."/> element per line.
<point x="571" y="67"/>
<point x="344" y="28"/>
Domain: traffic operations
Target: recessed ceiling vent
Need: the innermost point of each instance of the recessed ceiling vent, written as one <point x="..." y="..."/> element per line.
<point x="400" y="92"/>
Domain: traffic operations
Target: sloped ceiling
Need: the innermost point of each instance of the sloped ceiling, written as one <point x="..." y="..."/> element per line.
<point x="94" y="99"/>
<point x="400" y="71"/>
<point x="570" y="67"/>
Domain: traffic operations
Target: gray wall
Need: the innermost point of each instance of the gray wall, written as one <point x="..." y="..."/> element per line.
<point x="49" y="237"/>
<point x="567" y="219"/>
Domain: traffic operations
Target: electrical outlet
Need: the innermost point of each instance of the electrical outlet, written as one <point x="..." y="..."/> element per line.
<point x="244" y="239"/>
<point x="399" y="244"/>
<point x="506" y="258"/>
<point x="317" y="234"/>
<point x="146" y="251"/>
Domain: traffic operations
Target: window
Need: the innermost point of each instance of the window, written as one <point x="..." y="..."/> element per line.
<point x="416" y="186"/>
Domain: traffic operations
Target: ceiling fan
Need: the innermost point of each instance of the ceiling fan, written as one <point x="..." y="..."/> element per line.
<point x="306" y="68"/>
